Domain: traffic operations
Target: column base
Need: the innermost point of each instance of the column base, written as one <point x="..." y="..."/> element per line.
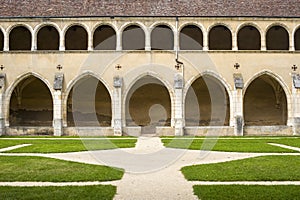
<point x="2" y="127"/>
<point x="179" y="131"/>
<point x="117" y="127"/>
<point x="57" y="126"/>
<point x="296" y="126"/>
<point x="239" y="126"/>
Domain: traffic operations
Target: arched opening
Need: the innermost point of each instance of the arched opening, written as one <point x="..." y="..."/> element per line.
<point x="104" y="38"/>
<point x="1" y="41"/>
<point x="265" y="103"/>
<point x="133" y="38"/>
<point x="20" y="39"/>
<point x="162" y="38"/>
<point x="248" y="38"/>
<point x="191" y="38"/>
<point x="297" y="39"/>
<point x="76" y="38"/>
<point x="89" y="104"/>
<point x="277" y="38"/>
<point x="31" y="104"/>
<point x="207" y="103"/>
<point x="48" y="38"/>
<point x="148" y="104"/>
<point x="220" y="38"/>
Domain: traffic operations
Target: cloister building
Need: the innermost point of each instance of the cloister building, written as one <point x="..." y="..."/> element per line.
<point x="170" y="67"/>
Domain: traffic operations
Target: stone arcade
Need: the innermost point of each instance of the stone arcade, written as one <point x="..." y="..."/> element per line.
<point x="153" y="71"/>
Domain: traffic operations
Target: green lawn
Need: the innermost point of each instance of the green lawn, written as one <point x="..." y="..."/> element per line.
<point x="66" y="145"/>
<point x="105" y="192"/>
<point x="246" y="192"/>
<point x="264" y="168"/>
<point x="14" y="168"/>
<point x="245" y="144"/>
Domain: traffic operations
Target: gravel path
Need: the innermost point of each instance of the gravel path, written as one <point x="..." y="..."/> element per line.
<point x="14" y="147"/>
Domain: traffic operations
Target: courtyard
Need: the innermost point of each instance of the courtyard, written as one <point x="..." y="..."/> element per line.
<point x="149" y="168"/>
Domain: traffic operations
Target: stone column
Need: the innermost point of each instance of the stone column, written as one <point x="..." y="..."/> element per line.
<point x="2" y="102"/>
<point x="238" y="105"/>
<point x="148" y="40"/>
<point x="119" y="41"/>
<point x="62" y="46"/>
<point x="263" y="44"/>
<point x="178" y="111"/>
<point x="296" y="103"/>
<point x="57" y="105"/>
<point x="176" y="41"/>
<point x="90" y="42"/>
<point x="292" y="44"/>
<point x="117" y="106"/>
<point x="205" y="41"/>
<point x="234" y="42"/>
<point x="6" y="42"/>
<point x="34" y="43"/>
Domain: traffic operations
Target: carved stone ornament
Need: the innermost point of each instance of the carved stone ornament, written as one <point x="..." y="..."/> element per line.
<point x="58" y="81"/>
<point x="118" y="82"/>
<point x="238" y="81"/>
<point x="2" y="80"/>
<point x="296" y="80"/>
<point x="178" y="81"/>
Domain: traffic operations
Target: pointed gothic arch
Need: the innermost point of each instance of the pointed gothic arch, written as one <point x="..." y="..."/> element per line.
<point x="148" y="103"/>
<point x="207" y="102"/>
<point x="31" y="103"/>
<point x="88" y="103"/>
<point x="265" y="102"/>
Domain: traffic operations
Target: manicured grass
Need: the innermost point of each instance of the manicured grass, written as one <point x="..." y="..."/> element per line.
<point x="105" y="192"/>
<point x="233" y="144"/>
<point x="14" y="168"/>
<point x="264" y="168"/>
<point x="246" y="192"/>
<point x="65" y="145"/>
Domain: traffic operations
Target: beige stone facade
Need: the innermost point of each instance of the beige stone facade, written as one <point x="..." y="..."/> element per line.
<point x="146" y="49"/>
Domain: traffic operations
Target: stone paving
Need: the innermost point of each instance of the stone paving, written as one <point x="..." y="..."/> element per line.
<point x="151" y="170"/>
